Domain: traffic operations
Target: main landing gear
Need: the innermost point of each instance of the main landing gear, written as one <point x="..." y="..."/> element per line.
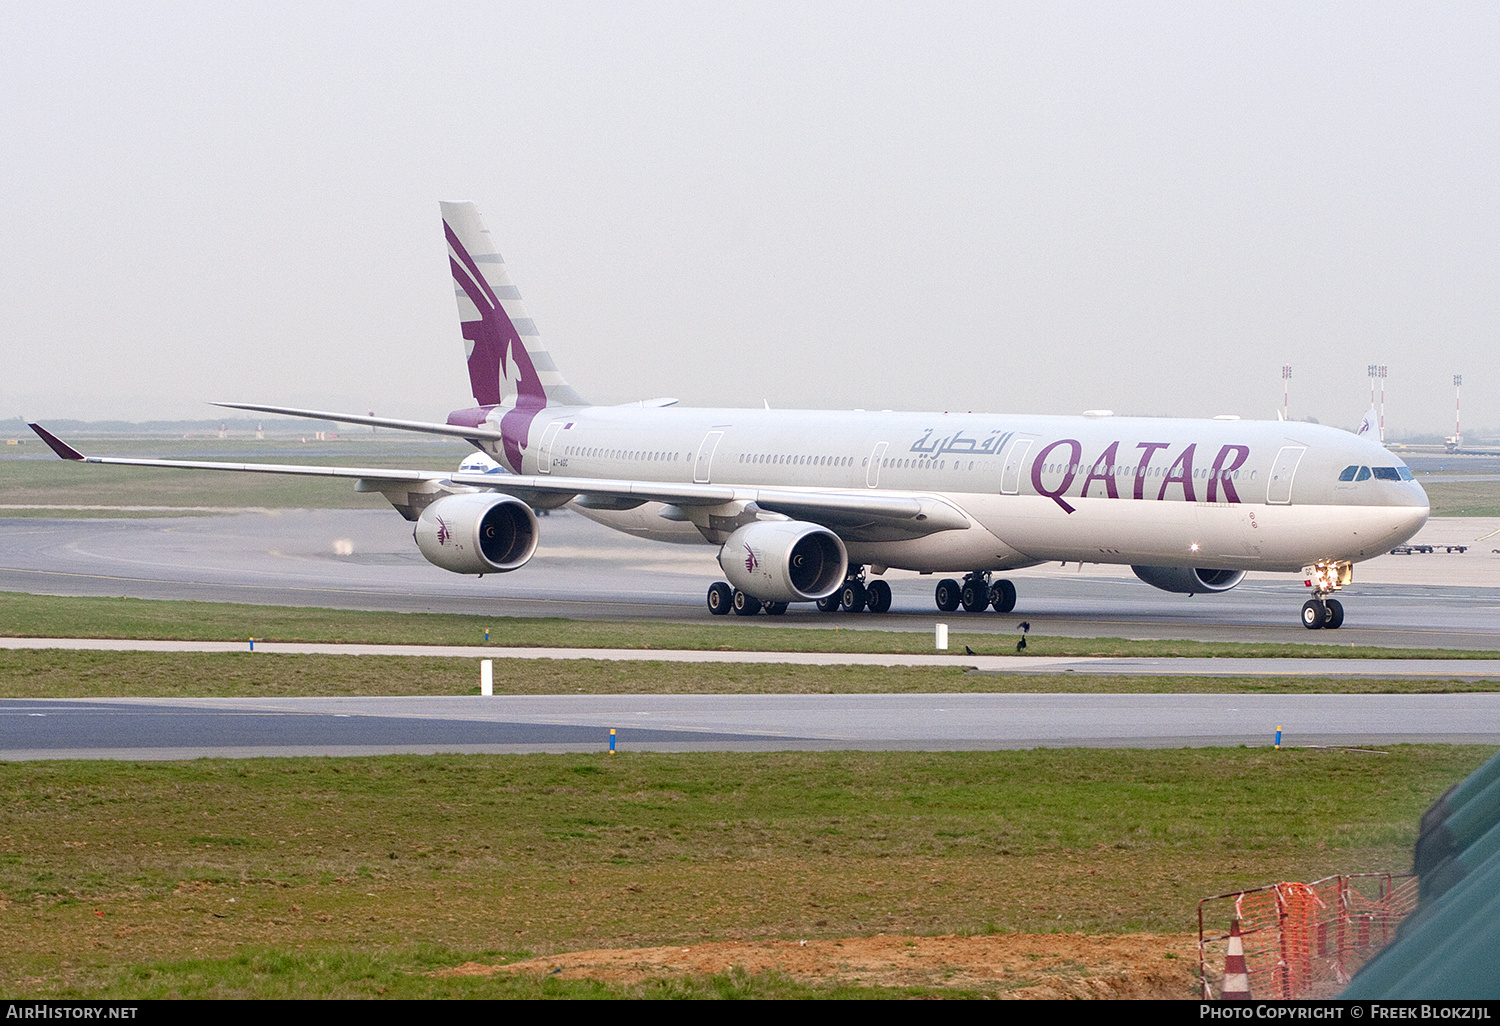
<point x="855" y="596"/>
<point x="976" y="594"/>
<point x="1325" y="577"/>
<point x="858" y="595"/>
<point x="722" y="599"/>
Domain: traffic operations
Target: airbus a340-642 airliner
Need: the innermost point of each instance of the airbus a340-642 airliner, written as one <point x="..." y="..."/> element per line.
<point x="814" y="506"/>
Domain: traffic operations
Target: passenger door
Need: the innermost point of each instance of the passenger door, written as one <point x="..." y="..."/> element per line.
<point x="1015" y="460"/>
<point x="1279" y="486"/>
<point x="872" y="472"/>
<point x="544" y="451"/>
<point x="703" y="465"/>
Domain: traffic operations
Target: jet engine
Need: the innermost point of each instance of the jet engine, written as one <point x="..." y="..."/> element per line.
<point x="785" y="561"/>
<point x="1187" y="580"/>
<point x="477" y="533"/>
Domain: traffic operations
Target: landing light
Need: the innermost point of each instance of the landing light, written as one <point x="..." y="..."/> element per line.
<point x="1193" y="547"/>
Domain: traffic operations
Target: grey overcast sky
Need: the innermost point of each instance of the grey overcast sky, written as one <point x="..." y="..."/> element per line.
<point x="1039" y="207"/>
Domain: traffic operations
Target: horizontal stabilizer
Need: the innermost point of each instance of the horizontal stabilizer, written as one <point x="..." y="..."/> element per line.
<point x="652" y="404"/>
<point x="456" y="430"/>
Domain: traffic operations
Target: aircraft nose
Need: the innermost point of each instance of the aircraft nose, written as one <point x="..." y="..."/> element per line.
<point x="1406" y="521"/>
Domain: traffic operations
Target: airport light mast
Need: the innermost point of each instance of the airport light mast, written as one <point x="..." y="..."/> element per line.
<point x="1455" y="441"/>
<point x="1382" y="404"/>
<point x="1377" y="370"/>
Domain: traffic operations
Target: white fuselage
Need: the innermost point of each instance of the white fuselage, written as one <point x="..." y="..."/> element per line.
<point x="1225" y="494"/>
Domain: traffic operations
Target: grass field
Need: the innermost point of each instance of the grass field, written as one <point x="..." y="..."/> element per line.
<point x="47" y="616"/>
<point x="1463" y="498"/>
<point x="60" y="484"/>
<point x="352" y="877"/>
<point x="57" y="673"/>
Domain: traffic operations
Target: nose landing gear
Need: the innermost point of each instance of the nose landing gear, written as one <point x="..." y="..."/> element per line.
<point x="1325" y="577"/>
<point x="1325" y="613"/>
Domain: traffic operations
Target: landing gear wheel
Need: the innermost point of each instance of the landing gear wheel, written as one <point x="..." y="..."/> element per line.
<point x="775" y="608"/>
<point x="744" y="604"/>
<point x="829" y="604"/>
<point x="1313" y="614"/>
<point x="853" y="597"/>
<point x="1003" y="596"/>
<point x="947" y="595"/>
<point x="1333" y="619"/>
<point x="975" y="596"/>
<point x="878" y="597"/>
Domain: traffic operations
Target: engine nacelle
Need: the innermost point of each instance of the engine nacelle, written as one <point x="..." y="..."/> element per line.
<point x="477" y="533"/>
<point x="1188" y="581"/>
<point x="785" y="561"/>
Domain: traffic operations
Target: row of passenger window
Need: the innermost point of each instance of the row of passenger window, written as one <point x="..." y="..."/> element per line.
<point x="1358" y="473"/>
<point x="621" y="454"/>
<point x="818" y="461"/>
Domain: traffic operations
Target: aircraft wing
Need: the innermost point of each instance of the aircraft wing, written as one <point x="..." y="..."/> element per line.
<point x="67" y="452"/>
<point x="857" y="515"/>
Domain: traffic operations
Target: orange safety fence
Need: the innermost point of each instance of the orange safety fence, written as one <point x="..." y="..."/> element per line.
<point x="1304" y="940"/>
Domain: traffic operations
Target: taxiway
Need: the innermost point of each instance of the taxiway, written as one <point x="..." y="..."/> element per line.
<point x="154" y="728"/>
<point x="365" y="559"/>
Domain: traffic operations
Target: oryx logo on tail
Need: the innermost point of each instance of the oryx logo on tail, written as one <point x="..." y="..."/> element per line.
<point x="508" y="365"/>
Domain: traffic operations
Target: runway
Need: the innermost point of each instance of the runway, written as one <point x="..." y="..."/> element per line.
<point x="363" y="559"/>
<point x="157" y="729"/>
<point x="1128" y="666"/>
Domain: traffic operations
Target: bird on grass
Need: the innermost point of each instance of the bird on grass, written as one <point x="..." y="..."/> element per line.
<point x="1021" y="645"/>
<point x="968" y="650"/>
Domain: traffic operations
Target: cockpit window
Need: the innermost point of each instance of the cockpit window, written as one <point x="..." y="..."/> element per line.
<point x="1358" y="473"/>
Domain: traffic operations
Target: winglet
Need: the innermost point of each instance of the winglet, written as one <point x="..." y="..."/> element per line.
<point x="57" y="445"/>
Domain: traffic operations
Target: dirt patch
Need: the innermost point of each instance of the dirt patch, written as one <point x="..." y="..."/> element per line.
<point x="1057" y="965"/>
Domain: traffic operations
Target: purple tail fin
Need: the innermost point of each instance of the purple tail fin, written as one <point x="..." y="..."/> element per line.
<point x="508" y="364"/>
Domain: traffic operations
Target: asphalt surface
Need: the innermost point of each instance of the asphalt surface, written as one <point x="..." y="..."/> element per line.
<point x="151" y="729"/>
<point x="363" y="559"/>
